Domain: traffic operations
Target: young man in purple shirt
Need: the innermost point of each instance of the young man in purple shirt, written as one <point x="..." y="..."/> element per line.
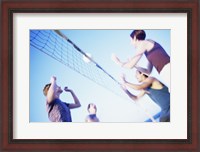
<point x="58" y="111"/>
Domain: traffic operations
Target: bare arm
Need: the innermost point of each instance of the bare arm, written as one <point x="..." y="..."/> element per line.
<point x="141" y="86"/>
<point x="133" y="97"/>
<point x="51" y="94"/>
<point x="128" y="64"/>
<point x="133" y="61"/>
<point x="76" y="103"/>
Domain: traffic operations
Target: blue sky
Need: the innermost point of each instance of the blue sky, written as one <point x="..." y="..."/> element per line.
<point x="100" y="44"/>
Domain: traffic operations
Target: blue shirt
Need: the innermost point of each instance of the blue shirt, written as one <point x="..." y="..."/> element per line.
<point x="162" y="98"/>
<point x="58" y="111"/>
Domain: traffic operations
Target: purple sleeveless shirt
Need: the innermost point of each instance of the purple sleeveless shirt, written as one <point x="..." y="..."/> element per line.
<point x="157" y="56"/>
<point x="58" y="111"/>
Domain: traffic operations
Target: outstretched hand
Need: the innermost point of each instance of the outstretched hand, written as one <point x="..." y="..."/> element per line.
<point x="122" y="77"/>
<point x="115" y="59"/>
<point x="123" y="87"/>
<point x="53" y="78"/>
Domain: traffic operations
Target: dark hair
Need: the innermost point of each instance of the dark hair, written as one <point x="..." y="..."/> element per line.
<point x="139" y="34"/>
<point x="146" y="76"/>
<point x="46" y="88"/>
<point x="89" y="107"/>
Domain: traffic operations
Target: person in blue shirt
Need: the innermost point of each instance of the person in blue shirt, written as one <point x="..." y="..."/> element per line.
<point x="58" y="111"/>
<point x="151" y="86"/>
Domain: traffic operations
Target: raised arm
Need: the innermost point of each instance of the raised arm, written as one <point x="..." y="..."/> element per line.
<point x="51" y="94"/>
<point x="133" y="97"/>
<point x="149" y="67"/>
<point x="134" y="60"/>
<point x="128" y="64"/>
<point x="76" y="103"/>
<point x="141" y="86"/>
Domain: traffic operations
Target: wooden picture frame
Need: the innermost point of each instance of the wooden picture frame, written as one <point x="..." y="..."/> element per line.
<point x="191" y="7"/>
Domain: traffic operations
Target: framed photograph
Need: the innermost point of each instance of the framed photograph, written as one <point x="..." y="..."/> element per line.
<point x="67" y="63"/>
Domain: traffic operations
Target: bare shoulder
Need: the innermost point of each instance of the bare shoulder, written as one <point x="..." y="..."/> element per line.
<point x="148" y="45"/>
<point x="150" y="79"/>
<point x="142" y="47"/>
<point x="157" y="84"/>
<point x="156" y="80"/>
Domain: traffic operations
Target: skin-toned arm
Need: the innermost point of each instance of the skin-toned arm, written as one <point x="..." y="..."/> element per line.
<point x="128" y="64"/>
<point x="76" y="103"/>
<point x="51" y="94"/>
<point x="149" y="67"/>
<point x="141" y="86"/>
<point x="132" y="61"/>
<point x="133" y="97"/>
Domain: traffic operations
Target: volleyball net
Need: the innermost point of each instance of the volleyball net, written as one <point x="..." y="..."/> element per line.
<point x="59" y="47"/>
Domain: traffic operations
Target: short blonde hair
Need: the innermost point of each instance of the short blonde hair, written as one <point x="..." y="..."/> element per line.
<point x="46" y="89"/>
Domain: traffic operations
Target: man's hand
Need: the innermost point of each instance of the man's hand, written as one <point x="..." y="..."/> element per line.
<point x="67" y="89"/>
<point x="116" y="59"/>
<point x="123" y="79"/>
<point x="123" y="87"/>
<point x="53" y="79"/>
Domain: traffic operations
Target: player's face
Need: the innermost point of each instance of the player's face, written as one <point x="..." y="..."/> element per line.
<point x="59" y="90"/>
<point x="92" y="108"/>
<point x="138" y="76"/>
<point x="134" y="41"/>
